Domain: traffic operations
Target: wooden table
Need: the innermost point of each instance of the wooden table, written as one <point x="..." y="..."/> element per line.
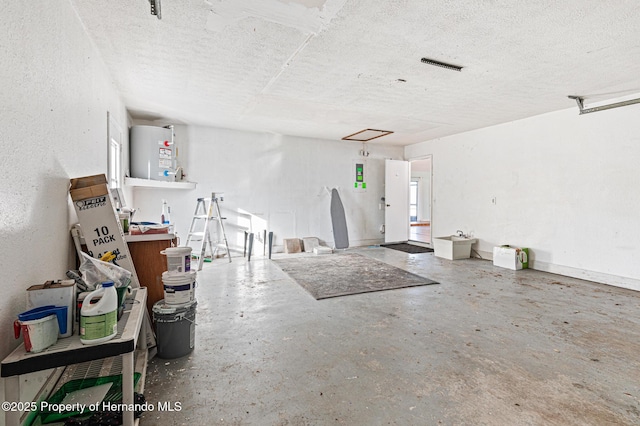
<point x="149" y="263"/>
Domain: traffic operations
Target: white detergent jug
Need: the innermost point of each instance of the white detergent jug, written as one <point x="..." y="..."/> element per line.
<point x="99" y="321"/>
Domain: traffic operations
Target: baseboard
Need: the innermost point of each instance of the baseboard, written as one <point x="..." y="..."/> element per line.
<point x="583" y="274"/>
<point x="484" y="255"/>
<point x="366" y="243"/>
<point x="599" y="277"/>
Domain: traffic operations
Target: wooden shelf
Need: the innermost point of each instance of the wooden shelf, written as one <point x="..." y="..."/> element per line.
<point x="148" y="183"/>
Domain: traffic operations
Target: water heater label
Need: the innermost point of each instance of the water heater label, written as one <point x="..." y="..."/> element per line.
<point x="165" y="153"/>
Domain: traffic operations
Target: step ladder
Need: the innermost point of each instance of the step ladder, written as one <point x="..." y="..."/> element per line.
<point x="206" y="214"/>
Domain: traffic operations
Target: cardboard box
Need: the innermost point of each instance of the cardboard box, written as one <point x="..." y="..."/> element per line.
<point x="514" y="258"/>
<point x="292" y="245"/>
<point x="58" y="293"/>
<point x="99" y="221"/>
<point x="309" y="243"/>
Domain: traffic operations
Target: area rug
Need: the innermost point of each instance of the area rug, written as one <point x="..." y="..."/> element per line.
<point x="408" y="248"/>
<point x="335" y="275"/>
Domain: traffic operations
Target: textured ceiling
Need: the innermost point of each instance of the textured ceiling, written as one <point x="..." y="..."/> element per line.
<point x="329" y="68"/>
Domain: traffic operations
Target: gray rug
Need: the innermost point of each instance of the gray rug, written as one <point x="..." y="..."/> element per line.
<point x="408" y="248"/>
<point x="335" y="275"/>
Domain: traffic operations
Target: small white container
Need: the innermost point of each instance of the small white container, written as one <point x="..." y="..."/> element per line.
<point x="99" y="321"/>
<point x="38" y="334"/>
<point x="179" y="288"/>
<point x="514" y="258"/>
<point x="178" y="259"/>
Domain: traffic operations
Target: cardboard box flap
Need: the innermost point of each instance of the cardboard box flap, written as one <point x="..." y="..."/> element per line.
<point x="88" y="187"/>
<point x="86" y="181"/>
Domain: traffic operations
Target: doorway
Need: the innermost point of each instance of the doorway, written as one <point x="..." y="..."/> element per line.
<point x="396" y="195"/>
<point x="420" y="200"/>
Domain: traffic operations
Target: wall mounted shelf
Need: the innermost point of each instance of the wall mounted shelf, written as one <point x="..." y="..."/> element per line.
<point x="148" y="183"/>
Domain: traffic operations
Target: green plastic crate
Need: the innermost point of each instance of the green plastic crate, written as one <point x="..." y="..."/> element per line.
<point x="114" y="394"/>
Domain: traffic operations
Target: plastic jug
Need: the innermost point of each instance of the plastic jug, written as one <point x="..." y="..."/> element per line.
<point x="99" y="321"/>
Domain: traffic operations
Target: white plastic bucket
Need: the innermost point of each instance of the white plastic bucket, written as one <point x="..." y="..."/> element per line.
<point x="178" y="259"/>
<point x="179" y="289"/>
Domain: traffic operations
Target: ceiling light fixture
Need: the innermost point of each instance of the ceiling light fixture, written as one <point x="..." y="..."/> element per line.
<point x="155" y="8"/>
<point x="441" y="64"/>
<point x="367" y="135"/>
<point x="583" y="110"/>
<point x="363" y="151"/>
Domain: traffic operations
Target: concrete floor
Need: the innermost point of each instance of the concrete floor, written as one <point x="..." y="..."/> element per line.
<point x="487" y="346"/>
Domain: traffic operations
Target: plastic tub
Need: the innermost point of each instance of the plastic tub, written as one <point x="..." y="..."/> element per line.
<point x="175" y="329"/>
<point x="178" y="259"/>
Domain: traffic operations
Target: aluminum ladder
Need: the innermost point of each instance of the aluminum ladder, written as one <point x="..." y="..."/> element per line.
<point x="207" y="214"/>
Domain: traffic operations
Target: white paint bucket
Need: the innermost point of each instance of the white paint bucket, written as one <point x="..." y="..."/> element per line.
<point x="179" y="288"/>
<point x="38" y="334"/>
<point x="178" y="259"/>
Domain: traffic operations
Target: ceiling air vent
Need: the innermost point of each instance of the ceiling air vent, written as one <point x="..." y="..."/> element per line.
<point x="366" y="135"/>
<point x="441" y="64"/>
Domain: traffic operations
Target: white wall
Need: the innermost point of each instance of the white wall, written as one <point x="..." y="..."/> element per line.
<point x="567" y="186"/>
<point x="277" y="180"/>
<point x="55" y="95"/>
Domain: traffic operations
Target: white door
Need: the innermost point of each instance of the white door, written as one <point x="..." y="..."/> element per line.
<point x="396" y="195"/>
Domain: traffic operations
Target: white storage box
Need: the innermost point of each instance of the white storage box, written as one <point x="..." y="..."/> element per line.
<point x="514" y="258"/>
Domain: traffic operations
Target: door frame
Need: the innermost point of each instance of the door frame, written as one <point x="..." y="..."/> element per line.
<point x="419" y="158"/>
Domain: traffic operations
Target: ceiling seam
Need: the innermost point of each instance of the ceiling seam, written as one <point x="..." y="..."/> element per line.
<point x="287" y="63"/>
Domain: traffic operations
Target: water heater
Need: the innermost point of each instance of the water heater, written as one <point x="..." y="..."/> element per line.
<point x="152" y="153"/>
